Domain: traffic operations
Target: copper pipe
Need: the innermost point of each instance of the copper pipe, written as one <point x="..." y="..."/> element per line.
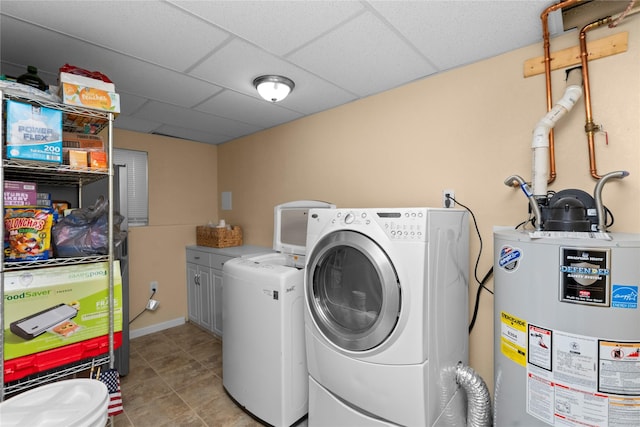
<point x="547" y="73"/>
<point x="590" y="127"/>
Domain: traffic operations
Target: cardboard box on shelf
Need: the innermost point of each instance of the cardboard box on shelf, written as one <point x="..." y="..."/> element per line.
<point x="86" y="81"/>
<point x="57" y="306"/>
<point x="82" y="141"/>
<point x="98" y="160"/>
<point x="77" y="159"/>
<point x="19" y="193"/>
<point x="90" y="97"/>
<point x="33" y="132"/>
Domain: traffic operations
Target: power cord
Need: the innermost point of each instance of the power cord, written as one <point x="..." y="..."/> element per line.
<point x="143" y="310"/>
<point x="481" y="283"/>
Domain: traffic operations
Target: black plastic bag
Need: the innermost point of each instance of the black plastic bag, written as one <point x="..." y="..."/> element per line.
<point x="85" y="231"/>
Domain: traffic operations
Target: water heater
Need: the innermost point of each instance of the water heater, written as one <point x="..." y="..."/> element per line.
<point x="567" y="329"/>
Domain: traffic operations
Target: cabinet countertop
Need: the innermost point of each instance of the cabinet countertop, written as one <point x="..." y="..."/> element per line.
<point x="233" y="251"/>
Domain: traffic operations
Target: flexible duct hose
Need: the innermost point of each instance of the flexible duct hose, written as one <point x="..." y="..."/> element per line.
<point x="478" y="398"/>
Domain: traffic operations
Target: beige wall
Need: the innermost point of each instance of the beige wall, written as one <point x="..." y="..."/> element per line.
<point x="182" y="194"/>
<point x="466" y="130"/>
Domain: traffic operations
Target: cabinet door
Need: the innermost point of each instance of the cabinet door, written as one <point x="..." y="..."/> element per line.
<point x="193" y="293"/>
<point x="217" y="302"/>
<point x="206" y="297"/>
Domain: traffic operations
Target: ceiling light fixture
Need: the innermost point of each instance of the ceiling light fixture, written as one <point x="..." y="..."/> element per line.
<point x="273" y="88"/>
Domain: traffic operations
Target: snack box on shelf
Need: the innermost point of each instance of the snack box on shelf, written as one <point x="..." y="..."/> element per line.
<point x="89" y="97"/>
<point x="86" y="81"/>
<point x="33" y="132"/>
<point x="19" y="193"/>
<point x="52" y="307"/>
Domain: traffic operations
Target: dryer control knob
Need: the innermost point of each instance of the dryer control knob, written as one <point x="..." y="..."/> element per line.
<point x="348" y="219"/>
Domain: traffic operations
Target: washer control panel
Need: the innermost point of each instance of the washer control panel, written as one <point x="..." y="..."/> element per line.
<point x="399" y="224"/>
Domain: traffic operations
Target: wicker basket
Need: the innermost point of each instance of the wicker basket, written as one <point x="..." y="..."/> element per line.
<point x="215" y="237"/>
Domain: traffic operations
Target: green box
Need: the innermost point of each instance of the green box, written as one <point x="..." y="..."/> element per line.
<point x="32" y="295"/>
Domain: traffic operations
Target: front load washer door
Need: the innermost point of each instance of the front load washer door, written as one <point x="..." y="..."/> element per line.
<point x="352" y="290"/>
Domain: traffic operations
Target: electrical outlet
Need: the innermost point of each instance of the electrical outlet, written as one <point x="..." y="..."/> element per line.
<point x="153" y="286"/>
<point x="447" y="199"/>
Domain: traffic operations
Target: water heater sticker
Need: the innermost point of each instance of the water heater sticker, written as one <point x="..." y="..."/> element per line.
<point x="513" y="340"/>
<point x="585" y="276"/>
<point x="624" y="296"/>
<point x="509" y="258"/>
<point x="567" y="394"/>
<point x="539" y="349"/>
<point x="620" y="369"/>
<point x="575" y="360"/>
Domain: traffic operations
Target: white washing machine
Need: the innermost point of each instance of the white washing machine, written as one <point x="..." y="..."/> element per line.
<point x="263" y="355"/>
<point x="386" y="309"/>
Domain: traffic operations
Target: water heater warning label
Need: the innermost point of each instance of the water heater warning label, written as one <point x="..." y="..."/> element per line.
<point x="591" y="382"/>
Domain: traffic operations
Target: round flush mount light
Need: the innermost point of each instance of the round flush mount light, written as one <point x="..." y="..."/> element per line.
<point x="273" y="88"/>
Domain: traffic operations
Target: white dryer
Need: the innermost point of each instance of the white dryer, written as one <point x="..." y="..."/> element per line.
<point x="263" y="355"/>
<point x="386" y="309"/>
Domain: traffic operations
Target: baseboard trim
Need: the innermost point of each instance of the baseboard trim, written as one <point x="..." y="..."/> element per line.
<point x="135" y="333"/>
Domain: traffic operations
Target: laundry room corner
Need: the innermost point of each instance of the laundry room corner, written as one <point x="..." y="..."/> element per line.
<point x="465" y="130"/>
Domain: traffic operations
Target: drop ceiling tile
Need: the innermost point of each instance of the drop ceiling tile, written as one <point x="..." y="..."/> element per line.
<point x="129" y="104"/>
<point x="248" y="109"/>
<point x="172" y="38"/>
<point x="238" y="63"/>
<point x="135" y="124"/>
<point x="279" y="27"/>
<point x="313" y="94"/>
<point x="485" y="28"/>
<point x="191" y="119"/>
<point x="191" y="134"/>
<point x="361" y="54"/>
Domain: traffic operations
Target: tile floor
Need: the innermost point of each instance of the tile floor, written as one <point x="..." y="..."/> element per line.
<point x="175" y="380"/>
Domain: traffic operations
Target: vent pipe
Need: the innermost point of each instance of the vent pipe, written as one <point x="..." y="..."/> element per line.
<point x="540" y="141"/>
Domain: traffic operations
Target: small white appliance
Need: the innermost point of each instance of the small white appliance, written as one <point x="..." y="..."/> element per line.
<point x="263" y="356"/>
<point x="386" y="301"/>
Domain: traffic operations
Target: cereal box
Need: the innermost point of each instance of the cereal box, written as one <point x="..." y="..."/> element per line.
<point x="33" y="132"/>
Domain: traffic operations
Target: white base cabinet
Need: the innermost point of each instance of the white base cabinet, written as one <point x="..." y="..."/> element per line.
<point x="204" y="289"/>
<point x="204" y="282"/>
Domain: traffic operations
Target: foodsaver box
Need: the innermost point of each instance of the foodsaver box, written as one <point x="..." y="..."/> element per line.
<point x="33" y="132"/>
<point x="53" y="307"/>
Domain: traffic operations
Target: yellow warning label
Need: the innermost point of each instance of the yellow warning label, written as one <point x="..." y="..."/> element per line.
<point x="513" y="338"/>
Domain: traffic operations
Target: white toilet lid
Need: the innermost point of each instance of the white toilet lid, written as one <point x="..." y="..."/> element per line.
<point x="73" y="403"/>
